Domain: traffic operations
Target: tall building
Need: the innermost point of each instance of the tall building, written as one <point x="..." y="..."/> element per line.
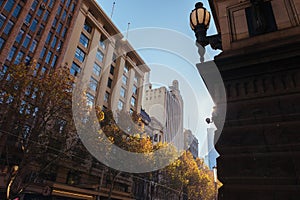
<point x="36" y="30"/>
<point x="113" y="79"/>
<point x="212" y="154"/>
<point x="76" y="33"/>
<point x="259" y="144"/>
<point x="167" y="107"/>
<point x="191" y="143"/>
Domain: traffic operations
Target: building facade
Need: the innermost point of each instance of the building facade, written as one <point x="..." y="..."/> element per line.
<point x="191" y="143"/>
<point x="167" y="107"/>
<point x="78" y="34"/>
<point x="259" y="144"/>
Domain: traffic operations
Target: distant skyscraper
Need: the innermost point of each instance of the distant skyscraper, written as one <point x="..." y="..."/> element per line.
<point x="167" y="107"/>
<point x="191" y="143"/>
<point x="212" y="154"/>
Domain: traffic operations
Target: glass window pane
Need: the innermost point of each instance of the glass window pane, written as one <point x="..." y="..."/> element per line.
<point x="93" y="84"/>
<point x="8" y="27"/>
<point x="75" y="69"/>
<point x="48" y="57"/>
<point x="2" y="41"/>
<point x="2" y="20"/>
<point x="122" y="92"/>
<point x="84" y="40"/>
<point x="99" y="55"/>
<point x="33" y="25"/>
<point x="97" y="69"/>
<point x="11" y="53"/>
<point x="79" y="54"/>
<point x="17" y="11"/>
<point x="124" y="79"/>
<point x="33" y="46"/>
<point x="9" y="5"/>
<point x="26" y="41"/>
<point x="19" y="57"/>
<point x="20" y="35"/>
<point x="90" y="99"/>
<point x="120" y="105"/>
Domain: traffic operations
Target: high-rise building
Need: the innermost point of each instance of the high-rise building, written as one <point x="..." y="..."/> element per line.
<point x="113" y="79"/>
<point x="36" y="30"/>
<point x="167" y="107"/>
<point x="191" y="143"/>
<point x="212" y="154"/>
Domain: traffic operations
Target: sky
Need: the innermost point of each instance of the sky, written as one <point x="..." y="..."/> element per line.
<point x="165" y="65"/>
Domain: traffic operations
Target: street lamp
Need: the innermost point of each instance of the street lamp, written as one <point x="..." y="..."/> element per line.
<point x="199" y="22"/>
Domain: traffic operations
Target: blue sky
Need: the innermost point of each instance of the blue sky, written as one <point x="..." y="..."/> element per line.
<point x="172" y="15"/>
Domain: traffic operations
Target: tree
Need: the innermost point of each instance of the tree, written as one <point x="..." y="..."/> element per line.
<point x="35" y="107"/>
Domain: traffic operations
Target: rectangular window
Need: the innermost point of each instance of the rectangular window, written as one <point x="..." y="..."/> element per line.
<point x="106" y="97"/>
<point x="19" y="57"/>
<point x="109" y="82"/>
<point x="120" y="105"/>
<point x="134" y="90"/>
<point x="63" y="33"/>
<point x="54" y="61"/>
<point x="122" y="92"/>
<point x="59" y="28"/>
<point x="59" y="45"/>
<point x="54" y="22"/>
<point x="124" y="79"/>
<point x="34" y="5"/>
<point x="84" y="40"/>
<point x="133" y="100"/>
<point x="3" y="71"/>
<point x="11" y="53"/>
<point x="46" y="15"/>
<point x="43" y="52"/>
<point x="112" y="70"/>
<point x="136" y="79"/>
<point x="8" y="27"/>
<point x="26" y="41"/>
<point x="48" y="37"/>
<point x="75" y="69"/>
<point x="102" y="43"/>
<point x="79" y="54"/>
<point x="93" y="84"/>
<point x="33" y="46"/>
<point x="20" y="35"/>
<point x="54" y="42"/>
<point x="99" y="55"/>
<point x="63" y="17"/>
<point x="48" y="57"/>
<point x="126" y="69"/>
<point x="90" y="99"/>
<point x="17" y="11"/>
<point x="2" y="41"/>
<point x="97" y="69"/>
<point x="2" y="20"/>
<point x="27" y="19"/>
<point x="58" y="10"/>
<point x="9" y="5"/>
<point x="39" y="12"/>
<point x="33" y="25"/>
<point x="87" y="27"/>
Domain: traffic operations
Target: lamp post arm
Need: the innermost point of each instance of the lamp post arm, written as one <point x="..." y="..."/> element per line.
<point x="215" y="41"/>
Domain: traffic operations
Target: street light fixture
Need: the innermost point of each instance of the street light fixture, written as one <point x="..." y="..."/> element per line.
<point x="199" y="22"/>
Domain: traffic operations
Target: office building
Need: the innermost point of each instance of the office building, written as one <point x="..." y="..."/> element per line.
<point x="191" y="143"/>
<point x="166" y="105"/>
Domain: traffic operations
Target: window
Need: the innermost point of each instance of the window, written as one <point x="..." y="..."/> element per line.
<point x="124" y="79"/>
<point x="75" y="69"/>
<point x="54" y="22"/>
<point x="2" y="20"/>
<point x="19" y="36"/>
<point x="109" y="82"/>
<point x="106" y="97"/>
<point x="260" y="19"/>
<point x="48" y="37"/>
<point x="43" y="52"/>
<point x="19" y="57"/>
<point x="112" y="70"/>
<point x="97" y="69"/>
<point x="133" y="100"/>
<point x="27" y="19"/>
<point x="120" y="105"/>
<point x="46" y="15"/>
<point x="99" y="55"/>
<point x="131" y="111"/>
<point x="58" y="10"/>
<point x="79" y="54"/>
<point x="33" y="46"/>
<point x="33" y="25"/>
<point x="134" y="90"/>
<point x="59" y="28"/>
<point x="8" y="27"/>
<point x="102" y="43"/>
<point x="9" y="5"/>
<point x="2" y="41"/>
<point x="54" y="61"/>
<point x="26" y="41"/>
<point x="39" y="12"/>
<point x="64" y="32"/>
<point x="87" y="27"/>
<point x="126" y="69"/>
<point x="122" y="92"/>
<point x="17" y="11"/>
<point x="136" y="79"/>
<point x="84" y="40"/>
<point x="48" y="57"/>
<point x="3" y="71"/>
<point x="11" y="53"/>
<point x="59" y="45"/>
<point x="27" y="60"/>
<point x="90" y="99"/>
<point x="63" y="17"/>
<point x="51" y="3"/>
<point x="93" y="84"/>
<point x="34" y="5"/>
<point x="54" y="42"/>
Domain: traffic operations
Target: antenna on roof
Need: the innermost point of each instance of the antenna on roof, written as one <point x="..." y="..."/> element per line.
<point x="127" y="30"/>
<point x="112" y="10"/>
